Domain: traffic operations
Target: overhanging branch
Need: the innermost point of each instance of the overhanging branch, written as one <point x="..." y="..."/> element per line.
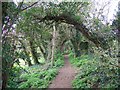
<point x="98" y="41"/>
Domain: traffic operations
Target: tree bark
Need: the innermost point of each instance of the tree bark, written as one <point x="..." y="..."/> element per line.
<point x="53" y="45"/>
<point x="26" y="53"/>
<point x="43" y="52"/>
<point x="62" y="45"/>
<point x="34" y="53"/>
<point x="4" y="75"/>
<point x="4" y="79"/>
<point x="7" y="63"/>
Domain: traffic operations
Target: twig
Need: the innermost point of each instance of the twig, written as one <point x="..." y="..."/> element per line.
<point x="30" y="6"/>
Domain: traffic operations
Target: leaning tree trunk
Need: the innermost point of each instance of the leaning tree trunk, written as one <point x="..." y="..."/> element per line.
<point x="28" y="59"/>
<point x="43" y="52"/>
<point x="26" y="53"/>
<point x="34" y="53"/>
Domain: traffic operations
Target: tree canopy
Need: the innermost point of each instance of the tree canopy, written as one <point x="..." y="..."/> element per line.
<point x="37" y="35"/>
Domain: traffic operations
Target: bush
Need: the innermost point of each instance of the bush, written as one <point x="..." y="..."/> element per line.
<point x="14" y="76"/>
<point x="38" y="76"/>
<point x="59" y="63"/>
<point x="38" y="79"/>
<point x="94" y="73"/>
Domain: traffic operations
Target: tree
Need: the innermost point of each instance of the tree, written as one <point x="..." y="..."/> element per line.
<point x="69" y="16"/>
<point x="116" y="24"/>
<point x="10" y="16"/>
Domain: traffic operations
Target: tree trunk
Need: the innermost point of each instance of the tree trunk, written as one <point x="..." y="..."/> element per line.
<point x="7" y="60"/>
<point x="4" y="79"/>
<point x="76" y="48"/>
<point x="49" y="51"/>
<point x="43" y="52"/>
<point x="5" y="74"/>
<point x="62" y="48"/>
<point x="53" y="45"/>
<point x="34" y="53"/>
<point x="62" y="45"/>
<point x="26" y="53"/>
<point x="119" y="51"/>
<point x="96" y="38"/>
<point x="29" y="63"/>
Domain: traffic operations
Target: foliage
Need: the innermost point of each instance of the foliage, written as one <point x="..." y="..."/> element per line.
<point x="35" y="25"/>
<point x="59" y="63"/>
<point x="59" y="60"/>
<point x="38" y="79"/>
<point x="8" y="10"/>
<point x="95" y="74"/>
<point x="36" y="76"/>
<point x="14" y="76"/>
<point x="116" y="22"/>
<point x="80" y="61"/>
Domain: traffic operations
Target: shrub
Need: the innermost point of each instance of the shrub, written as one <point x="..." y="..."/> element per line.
<point x="38" y="79"/>
<point x="94" y="73"/>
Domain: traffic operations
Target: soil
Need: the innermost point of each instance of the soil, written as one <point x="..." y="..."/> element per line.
<point x="65" y="76"/>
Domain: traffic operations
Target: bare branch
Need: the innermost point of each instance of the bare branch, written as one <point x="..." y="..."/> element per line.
<point x="30" y="6"/>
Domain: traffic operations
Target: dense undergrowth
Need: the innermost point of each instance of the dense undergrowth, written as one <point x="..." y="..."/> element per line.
<point x="94" y="73"/>
<point x="38" y="79"/>
<point x="37" y="76"/>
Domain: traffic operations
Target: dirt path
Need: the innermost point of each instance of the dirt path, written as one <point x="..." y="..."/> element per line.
<point x="65" y="76"/>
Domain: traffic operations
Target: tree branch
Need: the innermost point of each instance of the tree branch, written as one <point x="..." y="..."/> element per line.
<point x="99" y="41"/>
<point x="30" y="6"/>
